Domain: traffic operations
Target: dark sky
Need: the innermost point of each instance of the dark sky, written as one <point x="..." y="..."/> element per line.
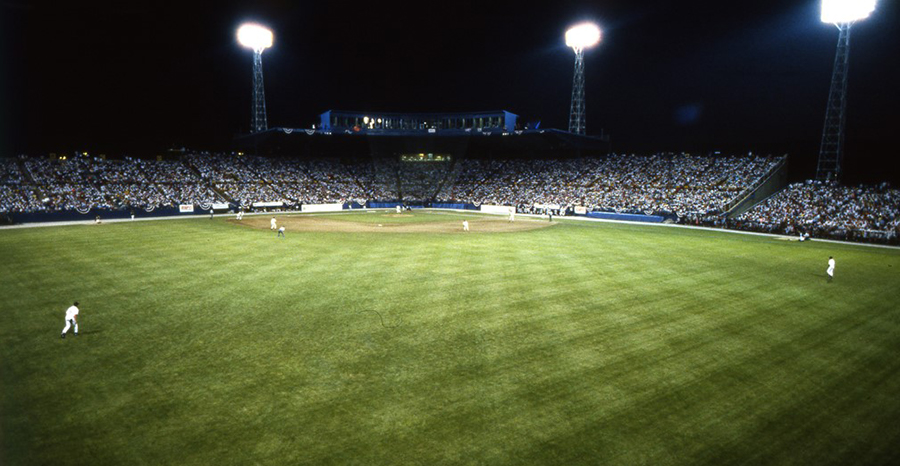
<point x="138" y="77"/>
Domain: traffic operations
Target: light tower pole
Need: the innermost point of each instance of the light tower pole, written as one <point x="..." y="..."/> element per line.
<point x="580" y="37"/>
<point x="257" y="38"/>
<point x="258" y="121"/>
<point x="841" y="13"/>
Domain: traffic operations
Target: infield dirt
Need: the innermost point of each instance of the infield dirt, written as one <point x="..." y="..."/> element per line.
<point x="308" y="223"/>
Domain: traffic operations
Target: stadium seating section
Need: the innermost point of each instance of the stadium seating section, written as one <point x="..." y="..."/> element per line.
<point x="689" y="189"/>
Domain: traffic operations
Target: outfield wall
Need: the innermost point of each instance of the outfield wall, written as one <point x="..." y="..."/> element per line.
<point x="455" y="206"/>
<point x="321" y="207"/>
<point x="187" y="210"/>
<point x="496" y="209"/>
<point x="109" y="214"/>
<point x="626" y="217"/>
<point x="72" y="215"/>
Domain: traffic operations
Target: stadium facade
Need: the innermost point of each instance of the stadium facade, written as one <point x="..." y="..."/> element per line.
<point x="459" y="135"/>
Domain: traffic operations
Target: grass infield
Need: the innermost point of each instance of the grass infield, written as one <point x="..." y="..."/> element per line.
<point x="203" y="342"/>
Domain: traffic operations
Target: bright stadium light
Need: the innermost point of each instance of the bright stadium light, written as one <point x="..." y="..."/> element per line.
<point x="580" y="37"/>
<point x="257" y="38"/>
<point x="583" y="36"/>
<point x="846" y="11"/>
<point x="841" y="13"/>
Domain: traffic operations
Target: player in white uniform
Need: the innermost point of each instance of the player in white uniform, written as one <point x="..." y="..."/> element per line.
<point x="71" y="320"/>
<point x="465" y="225"/>
<point x="272" y="223"/>
<point x="512" y="214"/>
<point x="830" y="270"/>
<point x="240" y="214"/>
<point x="280" y="232"/>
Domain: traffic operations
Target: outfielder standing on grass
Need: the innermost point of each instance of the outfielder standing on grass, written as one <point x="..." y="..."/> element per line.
<point x="830" y="270"/>
<point x="71" y="320"/>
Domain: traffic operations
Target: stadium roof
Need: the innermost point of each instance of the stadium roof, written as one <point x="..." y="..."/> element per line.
<point x="458" y="142"/>
<point x="420" y="114"/>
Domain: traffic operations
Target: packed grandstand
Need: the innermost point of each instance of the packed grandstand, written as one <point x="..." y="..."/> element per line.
<point x="683" y="188"/>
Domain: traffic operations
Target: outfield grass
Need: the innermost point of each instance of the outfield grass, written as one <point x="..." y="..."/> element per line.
<point x="206" y="343"/>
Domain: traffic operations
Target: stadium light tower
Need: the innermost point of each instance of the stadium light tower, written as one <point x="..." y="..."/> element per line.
<point x="579" y="38"/>
<point x="257" y="38"/>
<point x="841" y="13"/>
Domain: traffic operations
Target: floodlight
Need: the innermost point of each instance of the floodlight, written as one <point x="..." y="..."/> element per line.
<point x="846" y="11"/>
<point x="255" y="37"/>
<point x="582" y="36"/>
<point x="841" y="13"/>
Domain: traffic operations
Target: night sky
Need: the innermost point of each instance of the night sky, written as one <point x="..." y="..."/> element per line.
<point x="141" y="77"/>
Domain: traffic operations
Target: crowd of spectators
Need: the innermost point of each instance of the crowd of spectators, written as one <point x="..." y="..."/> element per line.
<point x="246" y="179"/>
<point x="422" y="181"/>
<point x="30" y="184"/>
<point x="680" y="185"/>
<point x="174" y="182"/>
<point x="333" y="181"/>
<point x="16" y="195"/>
<point x="677" y="185"/>
<point x="828" y="210"/>
<point x="691" y="189"/>
<point x="10" y="172"/>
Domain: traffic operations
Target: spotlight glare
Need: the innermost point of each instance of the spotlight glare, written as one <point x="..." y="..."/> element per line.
<point x="255" y="37"/>
<point x="583" y="35"/>
<point x="846" y="11"/>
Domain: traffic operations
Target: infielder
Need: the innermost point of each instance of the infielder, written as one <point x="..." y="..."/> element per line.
<point x="830" y="270"/>
<point x="512" y="215"/>
<point x="272" y="223"/>
<point x="465" y="225"/>
<point x="280" y="232"/>
<point x="71" y="320"/>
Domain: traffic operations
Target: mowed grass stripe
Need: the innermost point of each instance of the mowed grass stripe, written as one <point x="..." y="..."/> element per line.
<point x="577" y="344"/>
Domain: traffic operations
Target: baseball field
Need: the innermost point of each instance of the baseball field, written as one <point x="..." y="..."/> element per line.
<point x="384" y="339"/>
